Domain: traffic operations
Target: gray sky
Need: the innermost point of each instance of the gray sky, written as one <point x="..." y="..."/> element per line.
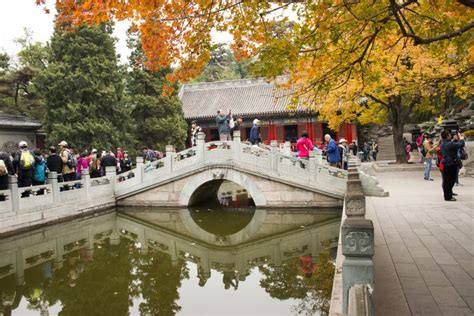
<point x="15" y="15"/>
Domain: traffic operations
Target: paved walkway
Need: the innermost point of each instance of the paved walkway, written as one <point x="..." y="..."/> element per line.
<point x="424" y="247"/>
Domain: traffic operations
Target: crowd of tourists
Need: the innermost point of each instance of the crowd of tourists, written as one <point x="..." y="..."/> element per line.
<point x="31" y="166"/>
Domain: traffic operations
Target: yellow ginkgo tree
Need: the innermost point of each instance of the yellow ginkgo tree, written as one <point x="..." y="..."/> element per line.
<point x="371" y="60"/>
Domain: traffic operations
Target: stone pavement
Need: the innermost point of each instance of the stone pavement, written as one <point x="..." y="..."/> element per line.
<point x="424" y="246"/>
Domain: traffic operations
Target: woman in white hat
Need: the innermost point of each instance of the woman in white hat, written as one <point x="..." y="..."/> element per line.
<point x="344" y="152"/>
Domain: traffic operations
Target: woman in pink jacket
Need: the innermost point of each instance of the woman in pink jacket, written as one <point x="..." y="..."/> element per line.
<point x="82" y="163"/>
<point x="304" y="145"/>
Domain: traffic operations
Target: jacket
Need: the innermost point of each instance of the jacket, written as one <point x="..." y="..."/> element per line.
<point x="16" y="160"/>
<point x="430" y="149"/>
<point x="8" y="162"/>
<point x="254" y="137"/>
<point x="223" y="124"/>
<point x="304" y="146"/>
<point x="449" y="151"/>
<point x="82" y="164"/>
<point x="64" y="156"/>
<point x="55" y="164"/>
<point x="40" y="171"/>
<point x="333" y="152"/>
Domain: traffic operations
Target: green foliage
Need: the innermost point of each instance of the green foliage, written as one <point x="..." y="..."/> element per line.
<point x="159" y="120"/>
<point x="83" y="89"/>
<point x="224" y="66"/>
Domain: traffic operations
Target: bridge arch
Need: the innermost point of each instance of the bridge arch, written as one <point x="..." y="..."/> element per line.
<point x="199" y="181"/>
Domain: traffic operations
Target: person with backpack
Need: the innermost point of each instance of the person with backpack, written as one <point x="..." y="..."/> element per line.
<point x="69" y="162"/>
<point x="450" y="162"/>
<point x="94" y="164"/>
<point x="6" y="168"/>
<point x="82" y="164"/>
<point x="24" y="164"/>
<point x="39" y="175"/>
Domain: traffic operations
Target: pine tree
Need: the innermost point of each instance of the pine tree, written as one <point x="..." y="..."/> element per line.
<point x="83" y="90"/>
<point x="159" y="119"/>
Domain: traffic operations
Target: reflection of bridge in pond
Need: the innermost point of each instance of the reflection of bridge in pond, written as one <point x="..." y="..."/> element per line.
<point x="270" y="237"/>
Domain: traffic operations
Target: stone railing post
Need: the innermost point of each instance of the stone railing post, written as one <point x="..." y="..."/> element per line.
<point x="274" y="156"/>
<point x="53" y="180"/>
<point x="169" y="158"/>
<point x="358" y="248"/>
<point x="236" y="147"/>
<point x="312" y="167"/>
<point x="111" y="173"/>
<point x="354" y="198"/>
<point x="15" y="196"/>
<point x="201" y="146"/>
<point x="287" y="148"/>
<point x="86" y="179"/>
<point x="319" y="157"/>
<point x="139" y="169"/>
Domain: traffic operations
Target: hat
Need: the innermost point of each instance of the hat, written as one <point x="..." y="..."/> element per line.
<point x="22" y="144"/>
<point x="256" y="121"/>
<point x="62" y="143"/>
<point x="94" y="151"/>
<point x="342" y="140"/>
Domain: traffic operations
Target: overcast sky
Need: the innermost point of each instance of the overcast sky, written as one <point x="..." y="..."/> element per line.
<point x="15" y="15"/>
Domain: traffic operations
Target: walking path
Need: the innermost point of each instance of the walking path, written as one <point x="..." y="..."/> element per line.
<point x="424" y="246"/>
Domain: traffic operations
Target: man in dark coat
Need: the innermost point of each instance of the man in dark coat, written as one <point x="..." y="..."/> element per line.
<point x="55" y="163"/>
<point x="109" y="160"/>
<point x="450" y="162"/>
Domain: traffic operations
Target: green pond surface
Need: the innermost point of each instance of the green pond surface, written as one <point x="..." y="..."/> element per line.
<point x="156" y="261"/>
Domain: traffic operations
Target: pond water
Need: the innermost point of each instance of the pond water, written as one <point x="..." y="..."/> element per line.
<point x="153" y="261"/>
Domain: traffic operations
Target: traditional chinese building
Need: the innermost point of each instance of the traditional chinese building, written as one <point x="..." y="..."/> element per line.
<point x="14" y="129"/>
<point x="255" y="98"/>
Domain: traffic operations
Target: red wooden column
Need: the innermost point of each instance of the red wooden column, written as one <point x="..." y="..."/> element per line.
<point x="271" y="131"/>
<point x="348" y="132"/>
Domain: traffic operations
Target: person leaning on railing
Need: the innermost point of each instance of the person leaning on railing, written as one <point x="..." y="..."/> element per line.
<point x="6" y="168"/>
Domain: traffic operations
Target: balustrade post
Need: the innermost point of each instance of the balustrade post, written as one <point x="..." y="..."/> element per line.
<point x="319" y="157"/>
<point x="139" y="169"/>
<point x="287" y="148"/>
<point x="111" y="173"/>
<point x="236" y="147"/>
<point x="169" y="158"/>
<point x="86" y="179"/>
<point x="53" y="180"/>
<point x="274" y="156"/>
<point x="312" y="167"/>
<point x="358" y="249"/>
<point x="354" y="198"/>
<point x="200" y="146"/>
<point x="15" y="196"/>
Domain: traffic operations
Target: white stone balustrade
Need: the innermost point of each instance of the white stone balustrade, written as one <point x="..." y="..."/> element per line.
<point x="269" y="162"/>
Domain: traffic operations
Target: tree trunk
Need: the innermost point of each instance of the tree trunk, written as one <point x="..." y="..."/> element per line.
<point x="395" y="105"/>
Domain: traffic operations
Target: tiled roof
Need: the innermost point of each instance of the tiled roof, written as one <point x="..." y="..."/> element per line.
<point x="247" y="97"/>
<point x="18" y="122"/>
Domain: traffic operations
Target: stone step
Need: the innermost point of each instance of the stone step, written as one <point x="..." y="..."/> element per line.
<point x="386" y="148"/>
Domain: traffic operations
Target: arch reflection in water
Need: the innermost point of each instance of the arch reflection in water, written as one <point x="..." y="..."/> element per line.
<point x="154" y="262"/>
<point x="224" y="193"/>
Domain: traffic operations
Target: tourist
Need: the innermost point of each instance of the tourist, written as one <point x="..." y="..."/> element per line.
<point x="375" y="150"/>
<point x="366" y="149"/>
<point x="148" y="155"/>
<point x="222" y="121"/>
<point x="54" y="163"/>
<point x="303" y="146"/>
<point x="429" y="150"/>
<point x="39" y="175"/>
<point x="353" y="148"/>
<point x="125" y="162"/>
<point x="195" y="130"/>
<point x="237" y="125"/>
<point x="6" y="168"/>
<point x="108" y="160"/>
<point x="24" y="164"/>
<point x="69" y="161"/>
<point x="254" y="137"/>
<point x="449" y="164"/>
<point x="332" y="151"/>
<point x="407" y="149"/>
<point x="82" y="164"/>
<point x="419" y="145"/>
<point x="343" y="153"/>
<point x="94" y="164"/>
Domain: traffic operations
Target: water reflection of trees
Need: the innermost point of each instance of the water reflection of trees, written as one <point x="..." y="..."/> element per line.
<point x="294" y="279"/>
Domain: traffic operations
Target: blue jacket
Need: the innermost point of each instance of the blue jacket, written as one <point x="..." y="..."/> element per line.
<point x="254" y="135"/>
<point x="333" y="152"/>
<point x="223" y="124"/>
<point x="40" y="171"/>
